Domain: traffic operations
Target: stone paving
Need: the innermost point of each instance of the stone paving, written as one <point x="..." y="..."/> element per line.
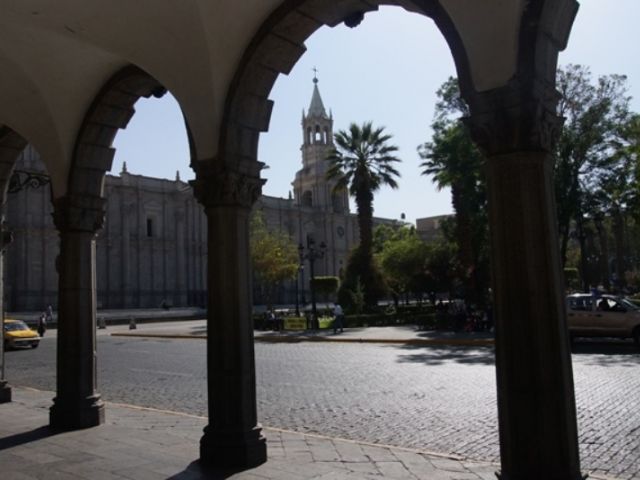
<point x="369" y="393"/>
<point x="145" y="444"/>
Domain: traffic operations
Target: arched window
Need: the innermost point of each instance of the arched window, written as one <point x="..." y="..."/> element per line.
<point x="336" y="200"/>
<point x="307" y="199"/>
<point x="318" y="135"/>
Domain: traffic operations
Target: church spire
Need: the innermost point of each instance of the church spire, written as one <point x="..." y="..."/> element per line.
<point x="316" y="108"/>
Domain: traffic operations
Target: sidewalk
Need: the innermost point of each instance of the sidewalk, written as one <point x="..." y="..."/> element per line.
<point x="405" y="334"/>
<point x="121" y="317"/>
<point x="137" y="443"/>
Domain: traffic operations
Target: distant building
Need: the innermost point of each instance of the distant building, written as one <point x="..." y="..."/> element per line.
<point x="153" y="244"/>
<point x="430" y="228"/>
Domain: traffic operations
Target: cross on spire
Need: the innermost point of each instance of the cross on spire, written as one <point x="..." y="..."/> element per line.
<point x="315" y="75"/>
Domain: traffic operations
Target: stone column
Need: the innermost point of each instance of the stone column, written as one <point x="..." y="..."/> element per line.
<point x="536" y="403"/>
<point x="233" y="437"/>
<point x="77" y="403"/>
<point x="5" y="239"/>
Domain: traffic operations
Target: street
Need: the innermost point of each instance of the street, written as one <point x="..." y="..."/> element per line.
<point x="439" y="399"/>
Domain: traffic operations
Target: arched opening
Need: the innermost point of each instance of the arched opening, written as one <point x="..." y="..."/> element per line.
<point x="353" y="98"/>
<point x="343" y="91"/>
<point x="152" y="249"/>
<point x="501" y="130"/>
<point x="14" y="152"/>
<point x="31" y="279"/>
<point x="347" y="97"/>
<point x="307" y="199"/>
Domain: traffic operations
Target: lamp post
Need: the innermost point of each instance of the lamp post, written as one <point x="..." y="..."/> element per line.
<point x="303" y="296"/>
<point x="6" y="237"/>
<point x="296" y="290"/>
<point x="312" y="255"/>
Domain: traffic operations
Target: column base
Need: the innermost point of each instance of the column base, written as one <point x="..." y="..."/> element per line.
<point x="233" y="449"/>
<point x="74" y="415"/>
<point x="5" y="392"/>
<point x="503" y="476"/>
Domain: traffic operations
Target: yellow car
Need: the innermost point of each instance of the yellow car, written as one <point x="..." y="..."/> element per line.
<point x="18" y="334"/>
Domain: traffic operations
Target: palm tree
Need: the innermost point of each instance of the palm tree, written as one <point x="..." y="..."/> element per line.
<point x="453" y="161"/>
<point x="361" y="162"/>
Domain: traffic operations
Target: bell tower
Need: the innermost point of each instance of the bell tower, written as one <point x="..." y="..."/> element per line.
<point x="311" y="188"/>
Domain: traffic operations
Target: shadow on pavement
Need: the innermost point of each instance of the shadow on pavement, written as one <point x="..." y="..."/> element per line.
<point x="26" y="437"/>
<point x="197" y="471"/>
<point x="613" y="352"/>
<point x="437" y="355"/>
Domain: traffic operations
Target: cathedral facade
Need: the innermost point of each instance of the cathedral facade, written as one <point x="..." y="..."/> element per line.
<point x="152" y="248"/>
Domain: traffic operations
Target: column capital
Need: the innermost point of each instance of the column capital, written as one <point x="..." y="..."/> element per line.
<point x="515" y="118"/>
<point x="221" y="185"/>
<point x="79" y="213"/>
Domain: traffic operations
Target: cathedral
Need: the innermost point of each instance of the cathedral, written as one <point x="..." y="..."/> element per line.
<point x="153" y="247"/>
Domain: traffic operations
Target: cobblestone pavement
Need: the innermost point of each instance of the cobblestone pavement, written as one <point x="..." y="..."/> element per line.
<point x="136" y="443"/>
<point x="439" y="399"/>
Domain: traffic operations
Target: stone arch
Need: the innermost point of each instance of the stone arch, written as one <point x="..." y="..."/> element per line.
<point x="525" y="107"/>
<point x="111" y="110"/>
<point x="277" y="47"/>
<point x="513" y="119"/>
<point x="11" y="146"/>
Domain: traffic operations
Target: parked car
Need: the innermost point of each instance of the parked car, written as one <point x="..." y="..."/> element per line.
<point x="602" y="316"/>
<point x="18" y="334"/>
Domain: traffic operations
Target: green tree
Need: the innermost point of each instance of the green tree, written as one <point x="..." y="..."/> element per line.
<point x="441" y="266"/>
<point x="453" y="161"/>
<point x="362" y="162"/>
<point x="274" y="256"/>
<point x="383" y="233"/>
<point x="614" y="187"/>
<point x="593" y="114"/>
<point x="403" y="260"/>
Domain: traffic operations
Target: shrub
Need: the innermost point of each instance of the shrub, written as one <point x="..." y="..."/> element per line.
<point x="362" y="278"/>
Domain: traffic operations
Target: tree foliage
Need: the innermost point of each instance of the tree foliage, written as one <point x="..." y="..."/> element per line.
<point x="326" y="286"/>
<point x="403" y="259"/>
<point x="593" y="168"/>
<point x="453" y="161"/>
<point x="362" y="162"/>
<point x="274" y="256"/>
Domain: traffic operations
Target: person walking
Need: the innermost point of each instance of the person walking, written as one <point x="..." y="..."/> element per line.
<point x="338" y="321"/>
<point x="42" y="324"/>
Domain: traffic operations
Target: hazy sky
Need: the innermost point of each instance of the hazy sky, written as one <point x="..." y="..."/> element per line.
<point x="387" y="71"/>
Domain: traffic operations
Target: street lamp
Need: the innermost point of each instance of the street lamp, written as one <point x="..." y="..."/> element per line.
<point x="297" y="281"/>
<point x="6" y="237"/>
<point x="312" y="255"/>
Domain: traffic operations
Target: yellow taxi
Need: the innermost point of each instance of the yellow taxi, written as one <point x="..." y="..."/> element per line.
<point x="18" y="334"/>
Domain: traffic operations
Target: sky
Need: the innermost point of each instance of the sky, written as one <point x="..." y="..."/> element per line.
<point x="387" y="71"/>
